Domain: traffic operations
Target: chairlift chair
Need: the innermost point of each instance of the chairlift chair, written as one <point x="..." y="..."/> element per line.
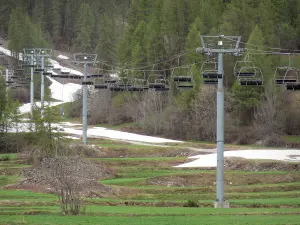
<point x="245" y="68"/>
<point x="47" y="73"/>
<point x="101" y="83"/>
<point x="255" y="80"/>
<point x="287" y="75"/>
<point x="293" y="86"/>
<point x="183" y="81"/>
<point x="158" y="82"/>
<point x="38" y="70"/>
<point x="139" y="84"/>
<point x="27" y="66"/>
<point x="210" y="73"/>
<point x="88" y="82"/>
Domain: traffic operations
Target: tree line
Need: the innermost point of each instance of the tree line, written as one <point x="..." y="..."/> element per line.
<point x="140" y="33"/>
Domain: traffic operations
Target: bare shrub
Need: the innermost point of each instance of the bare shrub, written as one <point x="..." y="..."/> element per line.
<point x="151" y="110"/>
<point x="293" y="116"/>
<point x="76" y="105"/>
<point x="99" y="107"/>
<point x="271" y="115"/>
<point x="68" y="176"/>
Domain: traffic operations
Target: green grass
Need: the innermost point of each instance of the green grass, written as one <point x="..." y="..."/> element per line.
<point x="152" y="220"/>
<point x="291" y="139"/>
<point x="5" y="180"/>
<point x="130" y="184"/>
<point x="22" y="194"/>
<point x="11" y="156"/>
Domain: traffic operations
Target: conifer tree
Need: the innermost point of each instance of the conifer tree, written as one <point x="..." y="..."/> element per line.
<point x="106" y="46"/>
<point x="84" y="27"/>
<point x="154" y="41"/>
<point x="193" y="42"/>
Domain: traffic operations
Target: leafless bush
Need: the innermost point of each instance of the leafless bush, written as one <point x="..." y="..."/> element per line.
<point x="99" y="107"/>
<point x="76" y="105"/>
<point x="272" y="114"/>
<point x="204" y="114"/>
<point x="68" y="176"/>
<point x="150" y="110"/>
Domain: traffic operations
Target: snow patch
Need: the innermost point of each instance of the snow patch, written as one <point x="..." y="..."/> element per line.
<point x="56" y="65"/>
<point x="26" y="108"/>
<point x="62" y="57"/>
<point x="210" y="160"/>
<point x="64" y="92"/>
<point x="118" y="135"/>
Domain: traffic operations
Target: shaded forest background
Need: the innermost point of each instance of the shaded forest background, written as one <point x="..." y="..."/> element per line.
<point x="152" y="34"/>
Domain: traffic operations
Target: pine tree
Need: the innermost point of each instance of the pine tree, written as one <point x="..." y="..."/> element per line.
<point x="238" y="19"/>
<point x="56" y="23"/>
<point x="193" y="42"/>
<point x="106" y="46"/>
<point x="15" y="33"/>
<point x="85" y="27"/>
<point x="256" y="42"/>
<point x="154" y="41"/>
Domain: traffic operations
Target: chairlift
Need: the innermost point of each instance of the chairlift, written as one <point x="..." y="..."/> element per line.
<point x="27" y="66"/>
<point x="210" y="72"/>
<point x="185" y="80"/>
<point x="158" y="82"/>
<point x="95" y="76"/>
<point x="87" y="82"/>
<point x="247" y="73"/>
<point x="256" y="80"/>
<point x="289" y="74"/>
<point x="102" y="83"/>
<point x="47" y="73"/>
<point x="65" y="72"/>
<point x="138" y="84"/>
<point x="245" y="68"/>
<point x="293" y="86"/>
<point x="39" y="70"/>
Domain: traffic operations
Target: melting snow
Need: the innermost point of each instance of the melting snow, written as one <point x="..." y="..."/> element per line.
<point x="26" y="108"/>
<point x="210" y="160"/>
<point x="56" y="65"/>
<point x="62" y="57"/>
<point x="63" y="92"/>
<point x="118" y="135"/>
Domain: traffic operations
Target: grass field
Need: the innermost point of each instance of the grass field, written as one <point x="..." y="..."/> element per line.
<point x="148" y="190"/>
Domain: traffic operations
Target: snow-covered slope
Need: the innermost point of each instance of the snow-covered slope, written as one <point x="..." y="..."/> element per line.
<point x="62" y="92"/>
<point x="210" y="160"/>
